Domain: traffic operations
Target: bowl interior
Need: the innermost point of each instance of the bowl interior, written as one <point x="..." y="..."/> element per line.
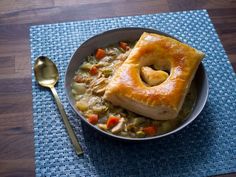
<point x="129" y="34"/>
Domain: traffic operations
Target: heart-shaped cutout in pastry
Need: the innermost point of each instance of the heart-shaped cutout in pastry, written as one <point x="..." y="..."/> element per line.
<point x="153" y="77"/>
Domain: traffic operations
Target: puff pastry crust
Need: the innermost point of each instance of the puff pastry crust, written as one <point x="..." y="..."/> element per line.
<point x="159" y="102"/>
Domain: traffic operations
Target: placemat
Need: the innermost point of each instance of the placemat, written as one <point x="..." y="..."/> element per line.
<point x="206" y="147"/>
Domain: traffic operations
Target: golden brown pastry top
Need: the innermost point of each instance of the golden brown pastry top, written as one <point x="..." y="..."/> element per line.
<point x="163" y="53"/>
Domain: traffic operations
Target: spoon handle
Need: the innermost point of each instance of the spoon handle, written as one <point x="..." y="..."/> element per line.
<point x="69" y="129"/>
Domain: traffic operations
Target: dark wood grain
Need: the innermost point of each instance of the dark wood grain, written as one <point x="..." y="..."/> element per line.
<point x="16" y="126"/>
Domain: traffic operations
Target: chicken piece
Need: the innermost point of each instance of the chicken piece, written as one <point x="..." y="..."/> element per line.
<point x="118" y="128"/>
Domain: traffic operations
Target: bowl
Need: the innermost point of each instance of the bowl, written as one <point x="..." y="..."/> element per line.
<point x="130" y="34"/>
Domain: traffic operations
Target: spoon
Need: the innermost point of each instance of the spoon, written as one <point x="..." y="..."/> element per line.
<point x="46" y="74"/>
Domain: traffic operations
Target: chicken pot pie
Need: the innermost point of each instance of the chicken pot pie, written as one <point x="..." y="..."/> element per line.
<point x="155" y="78"/>
<point x="89" y="85"/>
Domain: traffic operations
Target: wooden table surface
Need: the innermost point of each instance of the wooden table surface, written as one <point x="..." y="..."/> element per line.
<point x="16" y="123"/>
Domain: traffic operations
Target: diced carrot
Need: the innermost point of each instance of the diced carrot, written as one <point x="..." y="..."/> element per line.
<point x="150" y="131"/>
<point x="124" y="45"/>
<point x="112" y="121"/>
<point x="93" y="70"/>
<point x="101" y="53"/>
<point x="93" y="119"/>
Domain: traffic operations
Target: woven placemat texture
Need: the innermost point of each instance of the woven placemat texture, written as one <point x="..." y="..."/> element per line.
<point x="206" y="147"/>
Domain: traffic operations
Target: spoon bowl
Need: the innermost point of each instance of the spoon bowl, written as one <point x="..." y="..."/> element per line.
<point x="46" y="73"/>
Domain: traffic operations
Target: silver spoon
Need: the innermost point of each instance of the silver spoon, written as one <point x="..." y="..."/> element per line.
<point x="46" y="74"/>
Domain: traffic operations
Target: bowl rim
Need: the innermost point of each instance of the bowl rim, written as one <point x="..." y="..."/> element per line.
<point x="193" y="117"/>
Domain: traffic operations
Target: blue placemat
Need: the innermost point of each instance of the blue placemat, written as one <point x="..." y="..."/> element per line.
<point x="205" y="147"/>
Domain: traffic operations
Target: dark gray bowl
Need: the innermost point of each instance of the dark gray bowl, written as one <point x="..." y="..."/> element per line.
<point x="130" y="34"/>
